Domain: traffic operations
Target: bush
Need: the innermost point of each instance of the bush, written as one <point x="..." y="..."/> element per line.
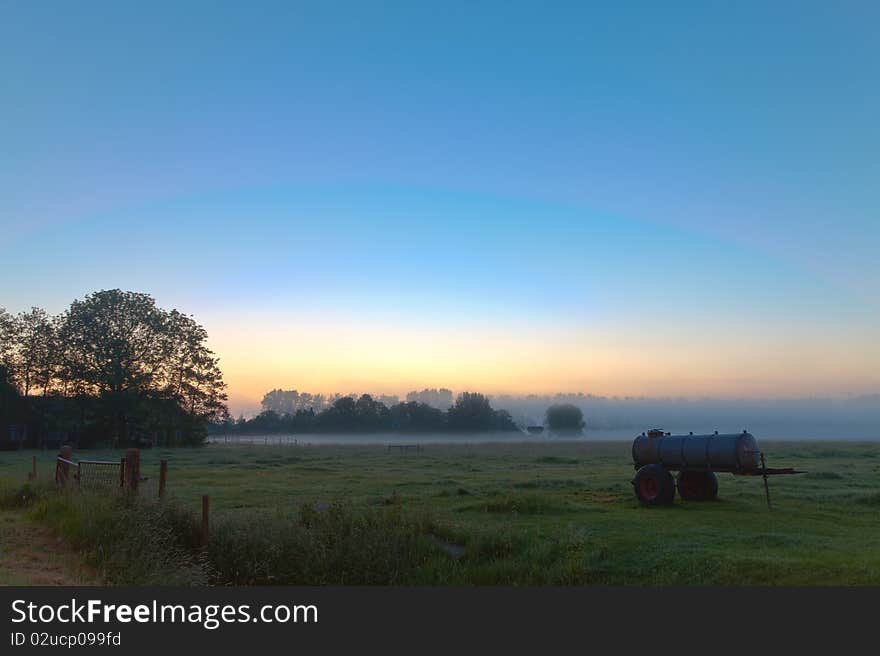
<point x="565" y="417"/>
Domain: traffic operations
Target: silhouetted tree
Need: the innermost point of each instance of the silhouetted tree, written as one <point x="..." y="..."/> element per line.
<point x="27" y="349"/>
<point x="412" y="416"/>
<point x="7" y="342"/>
<point x="473" y="412"/>
<point x="347" y="414"/>
<point x="192" y="374"/>
<point x="565" y="417"/>
<point x="437" y="398"/>
<point x="115" y="364"/>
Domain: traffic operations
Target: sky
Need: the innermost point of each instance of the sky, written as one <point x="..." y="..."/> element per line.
<point x="638" y="198"/>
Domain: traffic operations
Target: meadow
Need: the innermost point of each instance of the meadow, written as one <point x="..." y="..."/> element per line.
<point x="532" y="513"/>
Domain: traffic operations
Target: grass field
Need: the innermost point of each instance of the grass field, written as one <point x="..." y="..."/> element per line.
<point x="550" y="513"/>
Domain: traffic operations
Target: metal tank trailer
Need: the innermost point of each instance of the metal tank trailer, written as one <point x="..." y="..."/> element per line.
<point x="696" y="458"/>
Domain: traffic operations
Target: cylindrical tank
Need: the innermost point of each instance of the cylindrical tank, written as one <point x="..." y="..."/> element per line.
<point x="736" y="453"/>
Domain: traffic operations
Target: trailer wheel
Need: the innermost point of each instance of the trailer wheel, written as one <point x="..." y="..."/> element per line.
<point x="654" y="486"/>
<point x="697" y="485"/>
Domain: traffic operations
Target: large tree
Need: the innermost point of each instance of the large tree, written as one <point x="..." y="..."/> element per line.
<point x="145" y="364"/>
<point x="115" y="342"/>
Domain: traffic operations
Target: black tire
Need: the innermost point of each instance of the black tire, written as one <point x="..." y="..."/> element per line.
<point x="697" y="485"/>
<point x="654" y="485"/>
<point x="711" y="486"/>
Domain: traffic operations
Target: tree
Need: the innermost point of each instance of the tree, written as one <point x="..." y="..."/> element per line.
<point x="192" y="373"/>
<point x="504" y="422"/>
<point x="347" y="414"/>
<point x="473" y="412"/>
<point x="437" y="398"/>
<point x="413" y="416"/>
<point x="12" y="404"/>
<point x="288" y="402"/>
<point x="565" y="417"/>
<point x="7" y="341"/>
<point x="148" y="367"/>
<point x="115" y="341"/>
<point x="32" y="362"/>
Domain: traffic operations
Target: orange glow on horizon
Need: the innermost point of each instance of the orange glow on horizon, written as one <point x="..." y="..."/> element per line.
<point x="335" y="356"/>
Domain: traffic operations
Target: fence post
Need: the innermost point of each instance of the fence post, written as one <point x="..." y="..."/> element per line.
<point x="62" y="469"/>
<point x="132" y="469"/>
<point x="205" y="522"/>
<point x="121" y="473"/>
<point x="163" y="474"/>
<point x="32" y="476"/>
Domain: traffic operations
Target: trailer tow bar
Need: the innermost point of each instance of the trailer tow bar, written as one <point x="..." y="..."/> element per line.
<point x="766" y="484"/>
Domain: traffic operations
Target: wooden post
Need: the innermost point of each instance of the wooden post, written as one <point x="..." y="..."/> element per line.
<point x="132" y="470"/>
<point x="205" y="523"/>
<point x="32" y="476"/>
<point x="121" y="473"/>
<point x="163" y="474"/>
<point x="63" y="468"/>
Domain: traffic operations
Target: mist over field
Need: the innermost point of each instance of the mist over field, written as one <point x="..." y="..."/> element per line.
<point x="855" y="417"/>
<point x="808" y="418"/>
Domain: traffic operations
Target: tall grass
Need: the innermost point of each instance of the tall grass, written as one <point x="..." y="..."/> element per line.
<point x="336" y="545"/>
<point x="132" y="541"/>
<point x="129" y="541"/>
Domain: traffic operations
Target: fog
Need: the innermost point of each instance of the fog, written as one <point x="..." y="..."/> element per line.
<point x="621" y="418"/>
<point x="856" y="418"/>
<point x="391" y="438"/>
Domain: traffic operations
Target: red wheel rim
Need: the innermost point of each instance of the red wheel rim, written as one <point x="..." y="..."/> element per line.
<point x="649" y="488"/>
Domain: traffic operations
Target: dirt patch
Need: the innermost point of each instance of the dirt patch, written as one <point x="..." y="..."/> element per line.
<point x="31" y="555"/>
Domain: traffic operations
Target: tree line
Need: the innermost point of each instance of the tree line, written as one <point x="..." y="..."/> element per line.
<point x="289" y="402"/>
<point x="471" y="412"/>
<point x="114" y="368"/>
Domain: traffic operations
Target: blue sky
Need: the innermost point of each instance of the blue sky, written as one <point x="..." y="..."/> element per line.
<point x="640" y="197"/>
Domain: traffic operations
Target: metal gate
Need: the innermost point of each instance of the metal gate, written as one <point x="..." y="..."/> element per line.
<point x="90" y="474"/>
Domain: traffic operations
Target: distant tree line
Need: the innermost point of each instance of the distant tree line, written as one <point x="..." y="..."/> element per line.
<point x="112" y="369"/>
<point x="471" y="412"/>
<point x="289" y="402"/>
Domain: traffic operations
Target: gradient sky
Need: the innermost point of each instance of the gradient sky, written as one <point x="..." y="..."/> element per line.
<point x="647" y="198"/>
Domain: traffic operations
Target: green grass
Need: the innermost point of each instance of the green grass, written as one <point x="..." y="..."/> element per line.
<point x="530" y="513"/>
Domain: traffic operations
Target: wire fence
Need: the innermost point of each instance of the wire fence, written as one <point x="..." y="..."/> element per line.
<point x="101" y="474"/>
<point x="95" y="475"/>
